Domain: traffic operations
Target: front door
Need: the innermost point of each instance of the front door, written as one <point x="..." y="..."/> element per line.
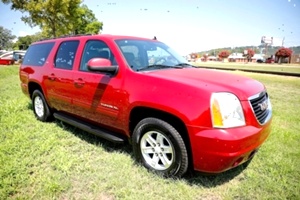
<point x="97" y="95"/>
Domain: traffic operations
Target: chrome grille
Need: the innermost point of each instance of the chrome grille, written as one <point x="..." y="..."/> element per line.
<point x="261" y="107"/>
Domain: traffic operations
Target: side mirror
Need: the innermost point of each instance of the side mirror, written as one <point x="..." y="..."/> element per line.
<point x="102" y="65"/>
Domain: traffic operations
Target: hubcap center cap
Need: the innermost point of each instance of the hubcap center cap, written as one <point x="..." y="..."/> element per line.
<point x="157" y="149"/>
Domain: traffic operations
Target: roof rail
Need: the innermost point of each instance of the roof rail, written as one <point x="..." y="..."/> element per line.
<point x="64" y="36"/>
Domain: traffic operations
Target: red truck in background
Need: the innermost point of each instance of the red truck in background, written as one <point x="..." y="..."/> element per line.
<point x="10" y="57"/>
<point x="122" y="88"/>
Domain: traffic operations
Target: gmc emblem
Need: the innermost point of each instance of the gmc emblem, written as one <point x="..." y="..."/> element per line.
<point x="264" y="105"/>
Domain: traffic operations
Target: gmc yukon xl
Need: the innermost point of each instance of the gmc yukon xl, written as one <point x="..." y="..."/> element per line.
<point x="125" y="88"/>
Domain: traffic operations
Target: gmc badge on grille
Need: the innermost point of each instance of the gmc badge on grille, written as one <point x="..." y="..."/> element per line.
<point x="264" y="105"/>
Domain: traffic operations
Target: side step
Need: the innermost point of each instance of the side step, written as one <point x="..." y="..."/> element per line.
<point x="108" y="135"/>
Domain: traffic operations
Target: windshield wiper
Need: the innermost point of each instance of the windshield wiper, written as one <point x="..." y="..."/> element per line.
<point x="154" y="66"/>
<point x="184" y="65"/>
<point x="160" y="66"/>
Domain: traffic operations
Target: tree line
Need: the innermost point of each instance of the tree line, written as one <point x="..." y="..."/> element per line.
<point x="54" y="18"/>
<point x="248" y="52"/>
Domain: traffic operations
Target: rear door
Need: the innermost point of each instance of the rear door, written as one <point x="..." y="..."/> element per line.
<point x="60" y="79"/>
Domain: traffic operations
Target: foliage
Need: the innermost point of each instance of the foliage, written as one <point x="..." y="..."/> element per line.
<point x="205" y="56"/>
<point x="194" y="55"/>
<point x="215" y="52"/>
<point x="86" y="22"/>
<point x="6" y="38"/>
<point x="224" y="54"/>
<point x="250" y="53"/>
<point x="283" y="52"/>
<point x="58" y="17"/>
<point x="23" y="42"/>
<point x="257" y="49"/>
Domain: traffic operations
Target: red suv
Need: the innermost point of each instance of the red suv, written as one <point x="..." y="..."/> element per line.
<point x="139" y="90"/>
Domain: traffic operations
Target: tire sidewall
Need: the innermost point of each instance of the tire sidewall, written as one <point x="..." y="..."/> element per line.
<point x="47" y="113"/>
<point x="153" y="124"/>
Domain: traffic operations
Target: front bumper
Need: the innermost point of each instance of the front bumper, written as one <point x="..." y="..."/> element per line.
<point x="218" y="150"/>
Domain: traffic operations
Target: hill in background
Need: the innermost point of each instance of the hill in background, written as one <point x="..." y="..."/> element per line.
<point x="270" y="50"/>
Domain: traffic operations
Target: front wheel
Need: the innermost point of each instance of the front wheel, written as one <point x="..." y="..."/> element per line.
<point x="40" y="107"/>
<point x="160" y="148"/>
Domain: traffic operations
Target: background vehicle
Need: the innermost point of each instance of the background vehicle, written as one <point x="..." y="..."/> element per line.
<point x="260" y="60"/>
<point x="18" y="55"/>
<point x="2" y="52"/>
<point x="7" y="58"/>
<point x="270" y="60"/>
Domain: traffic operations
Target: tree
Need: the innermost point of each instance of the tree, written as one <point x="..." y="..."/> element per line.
<point x="224" y="54"/>
<point x="6" y="38"/>
<point x="283" y="53"/>
<point x="86" y="22"/>
<point x="57" y="17"/>
<point x="23" y="42"/>
<point x="194" y="56"/>
<point x="249" y="53"/>
<point x="205" y="56"/>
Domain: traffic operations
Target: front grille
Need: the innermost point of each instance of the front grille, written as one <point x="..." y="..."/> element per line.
<point x="261" y="107"/>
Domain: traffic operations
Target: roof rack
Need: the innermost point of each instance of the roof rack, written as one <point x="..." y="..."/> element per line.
<point x="64" y="36"/>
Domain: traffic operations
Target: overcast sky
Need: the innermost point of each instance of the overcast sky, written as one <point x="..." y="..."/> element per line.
<point x="189" y="25"/>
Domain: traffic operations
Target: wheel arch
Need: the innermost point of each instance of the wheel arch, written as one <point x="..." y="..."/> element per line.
<point x="139" y="113"/>
<point x="32" y="86"/>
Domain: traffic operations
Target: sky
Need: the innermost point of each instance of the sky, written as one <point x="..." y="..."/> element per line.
<point x="189" y="25"/>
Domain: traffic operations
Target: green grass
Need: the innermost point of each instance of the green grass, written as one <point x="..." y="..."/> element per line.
<point x="56" y="161"/>
<point x="290" y="68"/>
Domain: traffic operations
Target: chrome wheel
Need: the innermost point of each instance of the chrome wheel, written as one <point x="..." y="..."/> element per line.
<point x="39" y="106"/>
<point x="159" y="147"/>
<point x="157" y="150"/>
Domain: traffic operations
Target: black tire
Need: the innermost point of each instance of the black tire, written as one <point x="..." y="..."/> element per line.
<point x="166" y="153"/>
<point x="40" y="107"/>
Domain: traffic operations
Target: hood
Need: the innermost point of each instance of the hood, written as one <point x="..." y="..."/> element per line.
<point x="210" y="81"/>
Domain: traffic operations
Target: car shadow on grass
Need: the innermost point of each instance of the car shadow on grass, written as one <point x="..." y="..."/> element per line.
<point x="192" y="177"/>
<point x="95" y="140"/>
<point x="213" y="180"/>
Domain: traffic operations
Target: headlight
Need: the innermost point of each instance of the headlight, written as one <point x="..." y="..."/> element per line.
<point x="226" y="110"/>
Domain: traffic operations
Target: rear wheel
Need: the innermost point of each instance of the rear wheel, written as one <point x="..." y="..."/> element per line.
<point x="40" y="107"/>
<point x="159" y="147"/>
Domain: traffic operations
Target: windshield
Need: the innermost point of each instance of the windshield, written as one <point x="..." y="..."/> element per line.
<point x="149" y="54"/>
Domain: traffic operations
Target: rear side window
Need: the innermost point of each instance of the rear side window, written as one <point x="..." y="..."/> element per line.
<point x="65" y="55"/>
<point x="37" y="54"/>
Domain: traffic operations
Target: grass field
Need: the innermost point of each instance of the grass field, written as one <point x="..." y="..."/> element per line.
<point x="290" y="68"/>
<point x="56" y="161"/>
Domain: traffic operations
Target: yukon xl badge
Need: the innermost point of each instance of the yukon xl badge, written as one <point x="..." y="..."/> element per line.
<point x="264" y="105"/>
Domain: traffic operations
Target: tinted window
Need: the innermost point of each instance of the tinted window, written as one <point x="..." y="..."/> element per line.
<point x="95" y="49"/>
<point x="37" y="54"/>
<point x="65" y="55"/>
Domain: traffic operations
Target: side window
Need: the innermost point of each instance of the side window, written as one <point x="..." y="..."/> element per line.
<point x="95" y="49"/>
<point x="37" y="54"/>
<point x="65" y="55"/>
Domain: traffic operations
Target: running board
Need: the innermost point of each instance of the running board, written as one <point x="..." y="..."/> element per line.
<point x="108" y="135"/>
